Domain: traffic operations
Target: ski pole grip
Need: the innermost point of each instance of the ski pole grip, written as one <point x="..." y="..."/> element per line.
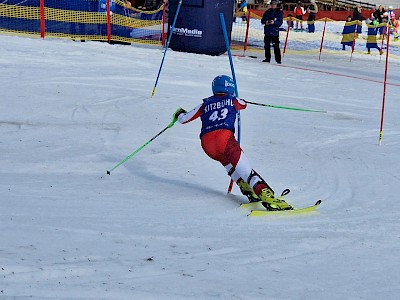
<point x="175" y="116"/>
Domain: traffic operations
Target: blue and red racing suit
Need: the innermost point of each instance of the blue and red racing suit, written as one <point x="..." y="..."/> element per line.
<point x="218" y="116"/>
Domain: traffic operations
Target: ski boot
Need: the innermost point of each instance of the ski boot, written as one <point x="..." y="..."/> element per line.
<point x="247" y="191"/>
<point x="269" y="201"/>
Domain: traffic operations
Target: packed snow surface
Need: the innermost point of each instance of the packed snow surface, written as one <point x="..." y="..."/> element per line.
<point x="161" y="226"/>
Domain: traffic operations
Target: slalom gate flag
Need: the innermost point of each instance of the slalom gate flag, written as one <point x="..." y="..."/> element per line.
<point x="348" y="33"/>
<point x="371" y="38"/>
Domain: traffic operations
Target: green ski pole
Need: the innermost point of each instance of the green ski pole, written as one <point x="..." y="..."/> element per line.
<point x="144" y="145"/>
<point x="286" y="107"/>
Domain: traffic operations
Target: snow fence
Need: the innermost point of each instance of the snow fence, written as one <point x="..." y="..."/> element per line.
<point x="103" y="20"/>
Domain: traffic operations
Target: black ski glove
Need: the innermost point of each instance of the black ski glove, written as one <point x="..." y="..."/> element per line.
<point x="178" y="112"/>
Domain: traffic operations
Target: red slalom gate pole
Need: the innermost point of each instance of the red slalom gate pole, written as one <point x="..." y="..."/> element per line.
<point x="354" y="42"/>
<point x="163" y="23"/>
<point x="322" y="40"/>
<point x="287" y="36"/>
<point x="108" y="21"/>
<point x="384" y="88"/>
<point x="246" y="39"/>
<point x="42" y="19"/>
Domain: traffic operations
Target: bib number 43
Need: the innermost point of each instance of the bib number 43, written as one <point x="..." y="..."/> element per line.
<point x="219" y="115"/>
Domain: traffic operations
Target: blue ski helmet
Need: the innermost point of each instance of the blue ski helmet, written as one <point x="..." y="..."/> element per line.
<point x="223" y="84"/>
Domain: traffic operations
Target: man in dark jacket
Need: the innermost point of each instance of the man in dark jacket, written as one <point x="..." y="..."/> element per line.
<point x="378" y="15"/>
<point x="272" y="20"/>
<point x="357" y="16"/>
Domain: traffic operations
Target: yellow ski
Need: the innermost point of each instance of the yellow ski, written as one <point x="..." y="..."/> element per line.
<point x="257" y="210"/>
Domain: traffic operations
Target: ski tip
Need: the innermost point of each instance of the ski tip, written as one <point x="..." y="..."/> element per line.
<point x="318" y="202"/>
<point x="108" y="173"/>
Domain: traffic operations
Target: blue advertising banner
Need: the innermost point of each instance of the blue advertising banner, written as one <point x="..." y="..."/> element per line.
<point x="198" y="27"/>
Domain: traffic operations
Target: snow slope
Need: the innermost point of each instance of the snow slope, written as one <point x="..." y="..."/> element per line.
<point x="161" y="226"/>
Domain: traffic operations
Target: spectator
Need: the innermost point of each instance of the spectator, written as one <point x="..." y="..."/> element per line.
<point x="357" y="16"/>
<point x="290" y="21"/>
<point x="272" y="20"/>
<point x="299" y="12"/>
<point x="312" y="14"/>
<point x="378" y="15"/>
<point x="391" y="15"/>
<point x="396" y="31"/>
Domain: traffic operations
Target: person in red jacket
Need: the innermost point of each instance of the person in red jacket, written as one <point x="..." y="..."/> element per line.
<point x="218" y="116"/>
<point x="299" y="12"/>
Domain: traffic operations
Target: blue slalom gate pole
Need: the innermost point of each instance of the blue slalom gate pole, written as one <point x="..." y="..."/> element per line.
<point x="167" y="45"/>
<point x="228" y="48"/>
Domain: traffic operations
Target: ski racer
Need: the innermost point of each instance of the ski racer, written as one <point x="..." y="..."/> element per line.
<point x="218" y="116"/>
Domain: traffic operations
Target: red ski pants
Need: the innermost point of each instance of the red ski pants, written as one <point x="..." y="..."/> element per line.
<point x="221" y="146"/>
